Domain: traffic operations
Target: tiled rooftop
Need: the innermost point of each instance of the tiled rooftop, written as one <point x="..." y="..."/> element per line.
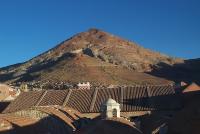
<point x="137" y="98"/>
<point x="24" y="122"/>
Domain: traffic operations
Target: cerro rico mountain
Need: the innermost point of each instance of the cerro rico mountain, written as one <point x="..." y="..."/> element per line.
<point x="95" y="56"/>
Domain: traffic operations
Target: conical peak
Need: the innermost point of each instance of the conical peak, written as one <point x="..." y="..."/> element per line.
<point x="94" y="30"/>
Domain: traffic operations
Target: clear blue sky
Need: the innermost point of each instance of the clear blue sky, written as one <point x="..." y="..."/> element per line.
<point x="30" y="27"/>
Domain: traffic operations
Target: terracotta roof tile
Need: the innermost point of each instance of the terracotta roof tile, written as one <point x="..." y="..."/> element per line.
<point x="110" y="126"/>
<point x="192" y="87"/>
<point x="81" y="100"/>
<point x="54" y="98"/>
<point x="18" y="120"/>
<point x="24" y="100"/>
<point x="137" y="98"/>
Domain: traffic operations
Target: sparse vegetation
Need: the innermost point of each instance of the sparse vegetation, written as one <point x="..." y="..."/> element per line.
<point x="90" y="56"/>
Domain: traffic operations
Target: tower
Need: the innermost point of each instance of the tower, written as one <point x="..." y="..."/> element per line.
<point x="110" y="109"/>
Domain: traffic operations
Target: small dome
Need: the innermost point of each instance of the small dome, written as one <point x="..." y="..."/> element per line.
<point x="110" y="101"/>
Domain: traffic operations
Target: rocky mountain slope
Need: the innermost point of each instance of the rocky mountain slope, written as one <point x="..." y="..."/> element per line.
<point x="94" y="56"/>
<point x="187" y="71"/>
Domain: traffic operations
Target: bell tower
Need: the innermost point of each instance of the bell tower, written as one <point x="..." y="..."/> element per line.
<point x="110" y="109"/>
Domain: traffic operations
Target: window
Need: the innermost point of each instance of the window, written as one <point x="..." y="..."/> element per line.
<point x="114" y="112"/>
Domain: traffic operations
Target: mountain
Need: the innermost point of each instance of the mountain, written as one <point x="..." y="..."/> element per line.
<point x="188" y="71"/>
<point x="94" y="56"/>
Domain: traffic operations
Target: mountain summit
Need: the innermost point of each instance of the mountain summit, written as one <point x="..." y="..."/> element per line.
<point x="95" y="56"/>
<point x="108" y="48"/>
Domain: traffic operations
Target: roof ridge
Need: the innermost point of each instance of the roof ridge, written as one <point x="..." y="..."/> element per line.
<point x="94" y="99"/>
<point x="122" y="97"/>
<point x="67" y="97"/>
<point x="43" y="95"/>
<point x="54" y="111"/>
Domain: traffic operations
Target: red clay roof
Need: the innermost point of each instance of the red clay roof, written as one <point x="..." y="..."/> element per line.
<point x="137" y="98"/>
<point x="17" y="120"/>
<point x="192" y="87"/>
<point x="109" y="126"/>
<point x="5" y="125"/>
<point x="65" y="114"/>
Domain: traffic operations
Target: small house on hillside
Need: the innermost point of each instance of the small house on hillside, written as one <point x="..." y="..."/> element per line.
<point x="83" y="85"/>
